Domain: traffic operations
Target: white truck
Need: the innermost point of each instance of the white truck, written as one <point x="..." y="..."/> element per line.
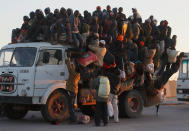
<point x="183" y="80"/>
<point x="33" y="77"/>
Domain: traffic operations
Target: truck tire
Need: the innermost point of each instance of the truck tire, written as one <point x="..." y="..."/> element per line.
<point x="130" y="104"/>
<point x="56" y="107"/>
<point x="14" y="113"/>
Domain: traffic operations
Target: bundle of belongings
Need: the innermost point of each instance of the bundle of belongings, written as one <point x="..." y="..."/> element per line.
<point x="131" y="52"/>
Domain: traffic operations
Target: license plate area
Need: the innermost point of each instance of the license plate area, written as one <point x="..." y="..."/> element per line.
<point x="7" y="83"/>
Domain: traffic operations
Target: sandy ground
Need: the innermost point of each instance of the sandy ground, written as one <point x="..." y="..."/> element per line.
<point x="171" y="118"/>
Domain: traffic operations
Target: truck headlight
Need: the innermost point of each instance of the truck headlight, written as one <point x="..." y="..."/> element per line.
<point x="180" y="91"/>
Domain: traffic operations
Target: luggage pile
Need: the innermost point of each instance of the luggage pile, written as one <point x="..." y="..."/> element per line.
<point x="126" y="48"/>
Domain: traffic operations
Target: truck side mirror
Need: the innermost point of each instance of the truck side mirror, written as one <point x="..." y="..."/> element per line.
<point x="46" y="57"/>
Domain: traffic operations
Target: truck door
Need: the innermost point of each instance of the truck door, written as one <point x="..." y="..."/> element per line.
<point x="50" y="68"/>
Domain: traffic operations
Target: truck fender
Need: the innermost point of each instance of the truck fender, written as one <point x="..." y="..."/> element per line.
<point x="51" y="89"/>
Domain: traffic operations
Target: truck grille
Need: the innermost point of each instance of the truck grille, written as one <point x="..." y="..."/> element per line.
<point x="7" y="83"/>
<point x="184" y="91"/>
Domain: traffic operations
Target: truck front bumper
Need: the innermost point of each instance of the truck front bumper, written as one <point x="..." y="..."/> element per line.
<point x="15" y="100"/>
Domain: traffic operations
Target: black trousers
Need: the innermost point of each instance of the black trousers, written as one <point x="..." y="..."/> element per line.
<point x="70" y="106"/>
<point x="101" y="113"/>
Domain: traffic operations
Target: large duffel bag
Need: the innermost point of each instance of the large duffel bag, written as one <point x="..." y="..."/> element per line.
<point x="82" y="119"/>
<point x="87" y="58"/>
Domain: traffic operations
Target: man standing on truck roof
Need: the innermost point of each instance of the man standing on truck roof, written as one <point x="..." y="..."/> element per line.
<point x="72" y="87"/>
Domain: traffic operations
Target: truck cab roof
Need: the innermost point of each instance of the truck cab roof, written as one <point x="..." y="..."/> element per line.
<point x="33" y="44"/>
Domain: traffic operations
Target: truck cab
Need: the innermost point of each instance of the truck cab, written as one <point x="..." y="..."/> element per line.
<point x="31" y="75"/>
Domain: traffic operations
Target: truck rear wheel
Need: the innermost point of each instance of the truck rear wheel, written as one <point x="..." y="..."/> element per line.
<point x="56" y="107"/>
<point x="131" y="104"/>
<point x="14" y="112"/>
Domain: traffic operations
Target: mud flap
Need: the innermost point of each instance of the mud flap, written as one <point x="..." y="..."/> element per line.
<point x="152" y="100"/>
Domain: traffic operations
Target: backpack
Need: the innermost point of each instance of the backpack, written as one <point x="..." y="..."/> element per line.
<point x="104" y="87"/>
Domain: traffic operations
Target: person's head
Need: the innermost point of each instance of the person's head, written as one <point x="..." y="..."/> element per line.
<point x="69" y="11"/>
<point x="32" y="15"/>
<point x="98" y="8"/>
<point x="56" y="11"/>
<point x="155" y="22"/>
<point x="166" y="23"/>
<point x="47" y="11"/>
<point x="120" y="9"/>
<point x="39" y="14"/>
<point x="63" y="11"/>
<point x="85" y="13"/>
<point x="108" y="8"/>
<point x="102" y="43"/>
<point x="148" y="21"/>
<point x="152" y="17"/>
<point x="50" y="16"/>
<point x="76" y="13"/>
<point x="26" y="19"/>
<point x="174" y="37"/>
<point x="134" y="10"/>
<point x="162" y="23"/>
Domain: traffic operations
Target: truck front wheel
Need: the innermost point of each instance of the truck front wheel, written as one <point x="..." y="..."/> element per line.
<point x="15" y="112"/>
<point x="131" y="104"/>
<point x="56" y="107"/>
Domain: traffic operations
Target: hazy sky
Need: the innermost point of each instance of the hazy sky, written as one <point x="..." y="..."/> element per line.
<point x="175" y="11"/>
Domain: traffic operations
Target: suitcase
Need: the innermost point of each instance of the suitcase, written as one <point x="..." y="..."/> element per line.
<point x="88" y="58"/>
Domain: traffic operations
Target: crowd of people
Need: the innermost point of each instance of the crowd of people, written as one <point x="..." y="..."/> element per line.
<point x="127" y="50"/>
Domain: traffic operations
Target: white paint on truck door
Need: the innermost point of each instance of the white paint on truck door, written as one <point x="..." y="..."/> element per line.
<point x="50" y="68"/>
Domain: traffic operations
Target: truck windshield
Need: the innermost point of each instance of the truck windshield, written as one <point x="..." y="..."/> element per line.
<point x="5" y="57"/>
<point x="18" y="57"/>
